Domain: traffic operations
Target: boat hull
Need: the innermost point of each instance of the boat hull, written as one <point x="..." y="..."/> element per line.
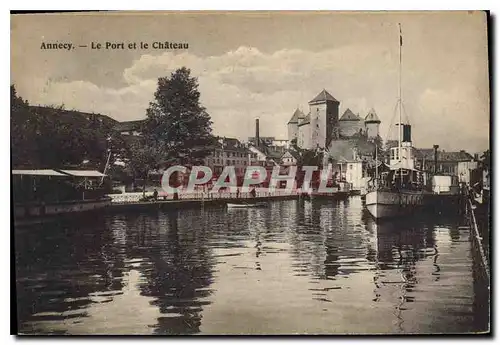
<point x="385" y="204"/>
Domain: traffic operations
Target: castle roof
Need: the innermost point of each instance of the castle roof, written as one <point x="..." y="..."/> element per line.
<point x="296" y="116"/>
<point x="372" y="116"/>
<point x="349" y="116"/>
<point x="323" y="96"/>
<point x="306" y="120"/>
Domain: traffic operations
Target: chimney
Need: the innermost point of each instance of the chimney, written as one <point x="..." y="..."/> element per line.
<point x="435" y="158"/>
<point x="257" y="137"/>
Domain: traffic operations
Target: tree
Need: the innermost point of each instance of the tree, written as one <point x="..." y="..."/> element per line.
<point x="177" y="125"/>
<point x="50" y="136"/>
<point x="307" y="157"/>
<point x="486" y="160"/>
<point x="19" y="116"/>
<point x="144" y="158"/>
<point x="379" y="144"/>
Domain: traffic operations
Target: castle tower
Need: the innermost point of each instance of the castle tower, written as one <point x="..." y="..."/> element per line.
<point x="304" y="134"/>
<point x="324" y="116"/>
<point x="372" y="123"/>
<point x="293" y="125"/>
<point x="350" y="124"/>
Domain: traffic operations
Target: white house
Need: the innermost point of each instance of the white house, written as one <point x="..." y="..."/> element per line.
<point x="288" y="158"/>
<point x="353" y="170"/>
<point x="464" y="170"/>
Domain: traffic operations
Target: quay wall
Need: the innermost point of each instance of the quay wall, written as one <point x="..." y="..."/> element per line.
<point x="25" y="214"/>
<point x="39" y="210"/>
<point x="189" y="204"/>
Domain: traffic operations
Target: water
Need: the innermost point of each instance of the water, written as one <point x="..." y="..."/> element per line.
<point x="295" y="267"/>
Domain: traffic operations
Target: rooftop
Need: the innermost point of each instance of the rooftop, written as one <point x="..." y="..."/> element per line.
<point x="231" y="144"/>
<point x="349" y="116"/>
<point x="306" y="120"/>
<point x="296" y="116"/>
<point x="292" y="153"/>
<point x="444" y="156"/>
<point x="322" y="97"/>
<point x="372" y="116"/>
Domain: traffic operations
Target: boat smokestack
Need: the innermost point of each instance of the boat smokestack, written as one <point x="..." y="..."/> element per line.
<point x="407" y="133"/>
<point x="435" y="158"/>
<point x="257" y="136"/>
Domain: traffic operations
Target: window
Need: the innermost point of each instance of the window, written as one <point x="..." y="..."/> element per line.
<point x="350" y="166"/>
<point x="395" y="153"/>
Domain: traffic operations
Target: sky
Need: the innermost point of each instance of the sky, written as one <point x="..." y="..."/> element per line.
<point x="264" y="65"/>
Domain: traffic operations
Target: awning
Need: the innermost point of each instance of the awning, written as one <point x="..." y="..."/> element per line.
<point x="83" y="173"/>
<point x="37" y="172"/>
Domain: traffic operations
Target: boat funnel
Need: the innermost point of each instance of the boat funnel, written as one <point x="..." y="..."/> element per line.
<point x="407" y="133"/>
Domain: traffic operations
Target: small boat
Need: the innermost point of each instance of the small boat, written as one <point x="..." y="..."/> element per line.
<point x="246" y="205"/>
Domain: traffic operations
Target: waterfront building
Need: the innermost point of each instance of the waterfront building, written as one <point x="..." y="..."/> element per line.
<point x="451" y="163"/>
<point x="230" y="152"/>
<point x="351" y="161"/>
<point x="48" y="192"/>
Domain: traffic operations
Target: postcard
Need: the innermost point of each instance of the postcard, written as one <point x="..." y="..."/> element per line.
<point x="250" y="173"/>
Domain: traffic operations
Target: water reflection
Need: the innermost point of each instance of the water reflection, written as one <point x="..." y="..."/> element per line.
<point x="57" y="280"/>
<point x="320" y="266"/>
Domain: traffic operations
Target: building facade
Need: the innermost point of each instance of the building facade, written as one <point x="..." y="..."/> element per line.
<point x="322" y="125"/>
<point x="230" y="152"/>
<point x="449" y="163"/>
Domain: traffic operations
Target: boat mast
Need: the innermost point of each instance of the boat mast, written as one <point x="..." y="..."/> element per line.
<point x="400" y="101"/>
<point x="376" y="166"/>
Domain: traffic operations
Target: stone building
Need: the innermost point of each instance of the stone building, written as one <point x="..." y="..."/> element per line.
<point x="322" y="124"/>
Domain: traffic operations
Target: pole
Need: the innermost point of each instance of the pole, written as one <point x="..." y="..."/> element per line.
<point x="105" y="167"/>
<point x="107" y="160"/>
<point x="400" y="103"/>
<point x="376" y="166"/>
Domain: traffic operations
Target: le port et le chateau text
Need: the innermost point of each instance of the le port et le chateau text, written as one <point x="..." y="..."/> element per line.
<point x="110" y="45"/>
